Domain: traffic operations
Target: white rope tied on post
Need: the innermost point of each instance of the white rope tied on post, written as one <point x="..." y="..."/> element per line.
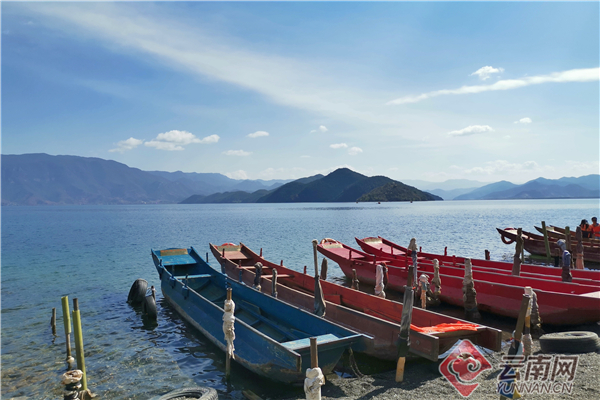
<point x="313" y="382"/>
<point x="379" y="286"/>
<point x="228" y="326"/>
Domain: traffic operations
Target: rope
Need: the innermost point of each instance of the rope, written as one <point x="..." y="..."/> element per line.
<point x="379" y="286"/>
<point x="313" y="382"/>
<point x="353" y="364"/>
<point x="228" y="326"/>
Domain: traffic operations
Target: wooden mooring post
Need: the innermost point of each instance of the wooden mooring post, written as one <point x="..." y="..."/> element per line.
<point x="546" y="241"/>
<point x="53" y="321"/>
<point x="78" y="332"/>
<point x="228" y="329"/>
<point x="314" y="376"/>
<point x="403" y="336"/>
<point x="67" y="323"/>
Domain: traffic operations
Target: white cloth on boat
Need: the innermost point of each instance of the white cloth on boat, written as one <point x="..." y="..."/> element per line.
<point x="313" y="382"/>
<point x="228" y="326"/>
<point x="379" y="286"/>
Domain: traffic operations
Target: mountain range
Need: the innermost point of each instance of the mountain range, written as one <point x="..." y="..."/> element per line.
<point x="32" y="179"/>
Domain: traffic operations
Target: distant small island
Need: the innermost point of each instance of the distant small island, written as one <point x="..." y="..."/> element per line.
<point x="342" y="185"/>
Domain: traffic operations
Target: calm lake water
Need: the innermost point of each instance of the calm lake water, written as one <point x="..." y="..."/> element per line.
<point x="95" y="253"/>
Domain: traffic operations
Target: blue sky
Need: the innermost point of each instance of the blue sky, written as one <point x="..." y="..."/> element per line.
<point x="268" y="90"/>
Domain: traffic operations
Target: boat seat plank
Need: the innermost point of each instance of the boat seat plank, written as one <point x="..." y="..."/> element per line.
<point x="236" y="255"/>
<point x="197" y="276"/>
<point x="305" y="343"/>
<point x="178" y="260"/>
<point x="278" y="276"/>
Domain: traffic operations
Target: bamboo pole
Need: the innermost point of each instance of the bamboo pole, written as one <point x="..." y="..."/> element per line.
<point x="67" y="323"/>
<point x="546" y="241"/>
<point x="77" y="331"/>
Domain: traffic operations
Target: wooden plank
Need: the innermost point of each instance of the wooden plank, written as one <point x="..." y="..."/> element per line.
<point x="173" y="252"/>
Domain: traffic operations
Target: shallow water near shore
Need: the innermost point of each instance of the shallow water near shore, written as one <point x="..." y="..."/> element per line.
<point x="95" y="253"/>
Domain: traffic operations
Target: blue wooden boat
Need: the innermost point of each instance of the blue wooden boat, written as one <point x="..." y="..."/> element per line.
<point x="272" y="338"/>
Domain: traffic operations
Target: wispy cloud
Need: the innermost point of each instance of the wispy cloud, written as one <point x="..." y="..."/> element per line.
<point x="126" y="145"/>
<point x="471" y="130"/>
<point x="176" y="140"/>
<point x="239" y="174"/>
<point x="574" y="75"/>
<point x="338" y="146"/>
<point x="258" y="134"/>
<point x="485" y="72"/>
<point x="503" y="166"/>
<point x="525" y="120"/>
<point x="322" y="128"/>
<point x="354" y="151"/>
<point x="240" y="153"/>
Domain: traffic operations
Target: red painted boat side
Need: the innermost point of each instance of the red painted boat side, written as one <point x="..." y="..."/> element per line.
<point x="557" y="308"/>
<point x="369" y="314"/>
<point x="387" y="249"/>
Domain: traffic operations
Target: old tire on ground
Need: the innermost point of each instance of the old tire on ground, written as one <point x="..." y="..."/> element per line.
<point x="149" y="307"/>
<point x="199" y="392"/>
<point x="137" y="292"/>
<point x="569" y="342"/>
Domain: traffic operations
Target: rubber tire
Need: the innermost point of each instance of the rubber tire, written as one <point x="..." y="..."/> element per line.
<point x="137" y="293"/>
<point x="149" y="308"/>
<point x="569" y="342"/>
<point x="199" y="392"/>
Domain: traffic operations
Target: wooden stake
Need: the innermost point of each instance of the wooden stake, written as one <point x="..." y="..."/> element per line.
<point x="274" y="283"/>
<point x="314" y="354"/>
<point x="487" y="255"/>
<point x="517" y="260"/>
<point x="403" y="337"/>
<point x="53" y="321"/>
<point x="315" y="242"/>
<point x="77" y="331"/>
<point x="354" y="280"/>
<point x="67" y="323"/>
<point x="546" y="241"/>
<point x="568" y="239"/>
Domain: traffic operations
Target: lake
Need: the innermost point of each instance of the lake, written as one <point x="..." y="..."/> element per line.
<point x="95" y="253"/>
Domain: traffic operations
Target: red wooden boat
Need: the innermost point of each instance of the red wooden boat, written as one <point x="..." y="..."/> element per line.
<point x="534" y="244"/>
<point x="557" y="233"/>
<point x="365" y="313"/>
<point x="560" y="303"/>
<point x="387" y="249"/>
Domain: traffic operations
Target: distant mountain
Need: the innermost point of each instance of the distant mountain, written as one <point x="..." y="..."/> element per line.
<point x="227" y="197"/>
<point x="479" y="193"/>
<point x="450" y="194"/>
<point x="31" y="179"/>
<point x="450" y="184"/>
<point x="541" y="188"/>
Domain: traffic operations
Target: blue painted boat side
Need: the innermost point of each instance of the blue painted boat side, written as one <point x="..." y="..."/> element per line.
<point x="256" y="351"/>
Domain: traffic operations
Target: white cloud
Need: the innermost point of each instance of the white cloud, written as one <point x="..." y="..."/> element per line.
<point x="239" y="174"/>
<point x="305" y="156"/>
<point x="525" y="120"/>
<point x="175" y="140"/>
<point x="354" y="151"/>
<point x="485" y="72"/>
<point x="471" y="130"/>
<point x="338" y="146"/>
<point x="322" y="128"/>
<point x="169" y="146"/>
<point x="241" y="153"/>
<point x="126" y="145"/>
<point x="574" y="75"/>
<point x="503" y="167"/>
<point x="258" y="134"/>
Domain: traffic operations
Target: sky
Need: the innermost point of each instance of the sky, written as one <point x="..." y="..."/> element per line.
<point x="282" y="90"/>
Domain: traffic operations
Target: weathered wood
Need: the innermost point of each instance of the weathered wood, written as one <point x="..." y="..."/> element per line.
<point x="517" y="260"/>
<point x="546" y="241"/>
<point x="53" y="321"/>
<point x="355" y="281"/>
<point x="487" y="255"/>
<point x="274" y="283"/>
<point x="579" y="264"/>
<point x="469" y="293"/>
<point x="403" y="336"/>
<point x="314" y="353"/>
